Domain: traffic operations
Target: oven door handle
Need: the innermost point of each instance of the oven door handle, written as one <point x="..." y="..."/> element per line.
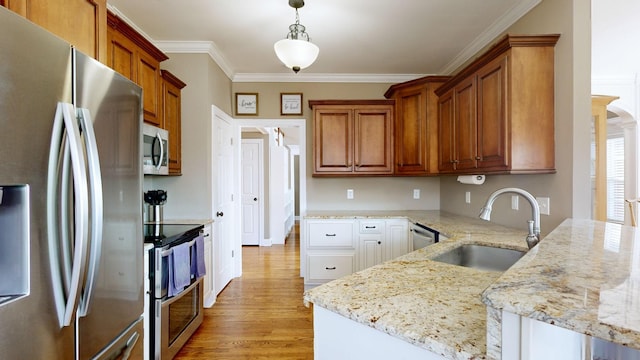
<point x="171" y="300"/>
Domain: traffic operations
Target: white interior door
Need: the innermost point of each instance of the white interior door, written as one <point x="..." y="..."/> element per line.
<point x="252" y="184"/>
<point x="223" y="200"/>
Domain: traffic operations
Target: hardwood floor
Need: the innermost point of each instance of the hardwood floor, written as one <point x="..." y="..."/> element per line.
<point x="261" y="314"/>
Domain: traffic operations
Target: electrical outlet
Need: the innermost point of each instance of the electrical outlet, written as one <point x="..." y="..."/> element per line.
<point x="544" y="204"/>
<point x="416" y="194"/>
<point x="467" y="197"/>
<point x="514" y="202"/>
<point x="350" y="194"/>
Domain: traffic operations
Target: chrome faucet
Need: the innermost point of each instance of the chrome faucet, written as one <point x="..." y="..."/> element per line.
<point x="534" y="225"/>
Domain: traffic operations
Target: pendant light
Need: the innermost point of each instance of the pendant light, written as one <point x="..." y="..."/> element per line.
<point x="296" y="51"/>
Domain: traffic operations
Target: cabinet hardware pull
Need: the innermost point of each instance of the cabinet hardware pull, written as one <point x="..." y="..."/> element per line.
<point x="477" y="157"/>
<point x="369" y="227"/>
<point x="330" y="268"/>
<point x="329" y="234"/>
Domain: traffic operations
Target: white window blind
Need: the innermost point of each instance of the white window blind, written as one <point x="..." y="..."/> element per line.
<point x="615" y="179"/>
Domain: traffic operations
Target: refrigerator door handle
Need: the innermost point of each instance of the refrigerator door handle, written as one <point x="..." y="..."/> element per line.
<point x="96" y="209"/>
<point x="66" y="295"/>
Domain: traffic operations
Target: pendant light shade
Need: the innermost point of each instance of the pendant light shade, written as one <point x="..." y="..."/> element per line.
<point x="296" y="54"/>
<point x="296" y="51"/>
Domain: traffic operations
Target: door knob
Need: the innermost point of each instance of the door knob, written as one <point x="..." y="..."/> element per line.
<point x="219" y="213"/>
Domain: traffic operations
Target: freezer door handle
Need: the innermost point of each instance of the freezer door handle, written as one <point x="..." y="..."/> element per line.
<point x="131" y="343"/>
<point x="96" y="209"/>
<point x="67" y="276"/>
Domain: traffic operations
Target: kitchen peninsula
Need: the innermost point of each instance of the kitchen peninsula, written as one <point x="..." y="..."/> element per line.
<point x="414" y="306"/>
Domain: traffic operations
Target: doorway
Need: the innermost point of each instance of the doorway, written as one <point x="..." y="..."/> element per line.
<point x="295" y="139"/>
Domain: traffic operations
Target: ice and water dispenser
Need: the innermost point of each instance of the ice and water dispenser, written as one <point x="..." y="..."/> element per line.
<point x="14" y="242"/>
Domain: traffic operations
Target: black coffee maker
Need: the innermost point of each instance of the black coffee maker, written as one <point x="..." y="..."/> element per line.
<point x="155" y="200"/>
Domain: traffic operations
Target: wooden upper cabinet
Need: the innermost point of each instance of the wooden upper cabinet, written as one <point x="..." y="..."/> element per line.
<point x="416" y="126"/>
<point x="352" y="137"/>
<point x="139" y="60"/>
<point x="497" y="115"/>
<point x="83" y="23"/>
<point x="171" y="112"/>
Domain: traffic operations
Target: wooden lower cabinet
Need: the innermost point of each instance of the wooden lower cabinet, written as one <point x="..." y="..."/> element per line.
<point x="83" y="23"/>
<point x="352" y="137"/>
<point x="171" y="113"/>
<point x="497" y="115"/>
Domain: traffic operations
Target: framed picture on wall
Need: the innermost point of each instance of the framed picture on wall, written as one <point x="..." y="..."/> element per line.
<point x="246" y="104"/>
<point x="290" y="103"/>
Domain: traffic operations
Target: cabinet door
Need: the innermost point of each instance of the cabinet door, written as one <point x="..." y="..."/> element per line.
<point x="148" y="77"/>
<point x="411" y="132"/>
<point x="171" y="118"/>
<point x="397" y="238"/>
<point x="370" y="250"/>
<point x="492" y="112"/>
<point x="465" y="133"/>
<point x="121" y="54"/>
<point x="372" y="150"/>
<point x="446" y="154"/>
<point x="83" y="23"/>
<point x="333" y="140"/>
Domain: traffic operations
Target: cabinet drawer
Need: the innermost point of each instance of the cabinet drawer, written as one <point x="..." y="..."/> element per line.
<point x="371" y="227"/>
<point x="329" y="267"/>
<point x="331" y="234"/>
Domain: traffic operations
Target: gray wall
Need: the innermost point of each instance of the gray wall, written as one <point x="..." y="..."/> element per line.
<point x="381" y="193"/>
<point x="189" y="196"/>
<point x="569" y="188"/>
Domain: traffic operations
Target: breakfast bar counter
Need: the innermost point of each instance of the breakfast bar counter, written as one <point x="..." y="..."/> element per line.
<point x="584" y="276"/>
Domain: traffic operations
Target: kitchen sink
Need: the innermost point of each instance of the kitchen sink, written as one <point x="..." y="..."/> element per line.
<point x="481" y="257"/>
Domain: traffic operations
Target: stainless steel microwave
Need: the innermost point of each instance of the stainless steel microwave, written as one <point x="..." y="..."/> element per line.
<point x="155" y="150"/>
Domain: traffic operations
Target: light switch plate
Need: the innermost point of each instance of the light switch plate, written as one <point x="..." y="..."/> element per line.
<point x="467" y="197"/>
<point x="416" y="194"/>
<point x="544" y="204"/>
<point x="350" y="194"/>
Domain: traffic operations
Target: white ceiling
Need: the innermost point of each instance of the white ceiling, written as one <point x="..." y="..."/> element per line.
<point x="368" y="39"/>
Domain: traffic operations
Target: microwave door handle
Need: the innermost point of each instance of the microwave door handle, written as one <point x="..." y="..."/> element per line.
<point x="65" y="119"/>
<point x="161" y="151"/>
<point x="96" y="210"/>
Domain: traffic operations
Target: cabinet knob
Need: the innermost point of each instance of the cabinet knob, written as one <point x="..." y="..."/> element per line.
<point x="379" y="242"/>
<point x="219" y="214"/>
<point x="477" y="157"/>
<point x="255" y="199"/>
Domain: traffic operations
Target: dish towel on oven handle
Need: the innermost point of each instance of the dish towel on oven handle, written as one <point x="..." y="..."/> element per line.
<point x="198" y="268"/>
<point x="179" y="269"/>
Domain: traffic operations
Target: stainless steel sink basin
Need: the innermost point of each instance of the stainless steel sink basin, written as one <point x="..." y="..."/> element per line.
<point x="481" y="257"/>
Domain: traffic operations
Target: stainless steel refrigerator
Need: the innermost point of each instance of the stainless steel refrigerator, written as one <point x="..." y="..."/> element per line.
<point x="71" y="276"/>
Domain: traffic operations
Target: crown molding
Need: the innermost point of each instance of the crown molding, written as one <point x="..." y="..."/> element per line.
<point x="489" y="35"/>
<point x="197" y="47"/>
<point x="326" y="78"/>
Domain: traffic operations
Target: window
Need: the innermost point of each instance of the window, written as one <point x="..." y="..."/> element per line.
<point x="615" y="179"/>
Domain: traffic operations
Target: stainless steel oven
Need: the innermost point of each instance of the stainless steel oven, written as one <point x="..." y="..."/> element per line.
<point x="174" y="316"/>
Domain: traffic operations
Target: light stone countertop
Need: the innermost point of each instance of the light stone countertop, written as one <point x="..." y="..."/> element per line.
<point x="583" y="276"/>
<point x="430" y="304"/>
